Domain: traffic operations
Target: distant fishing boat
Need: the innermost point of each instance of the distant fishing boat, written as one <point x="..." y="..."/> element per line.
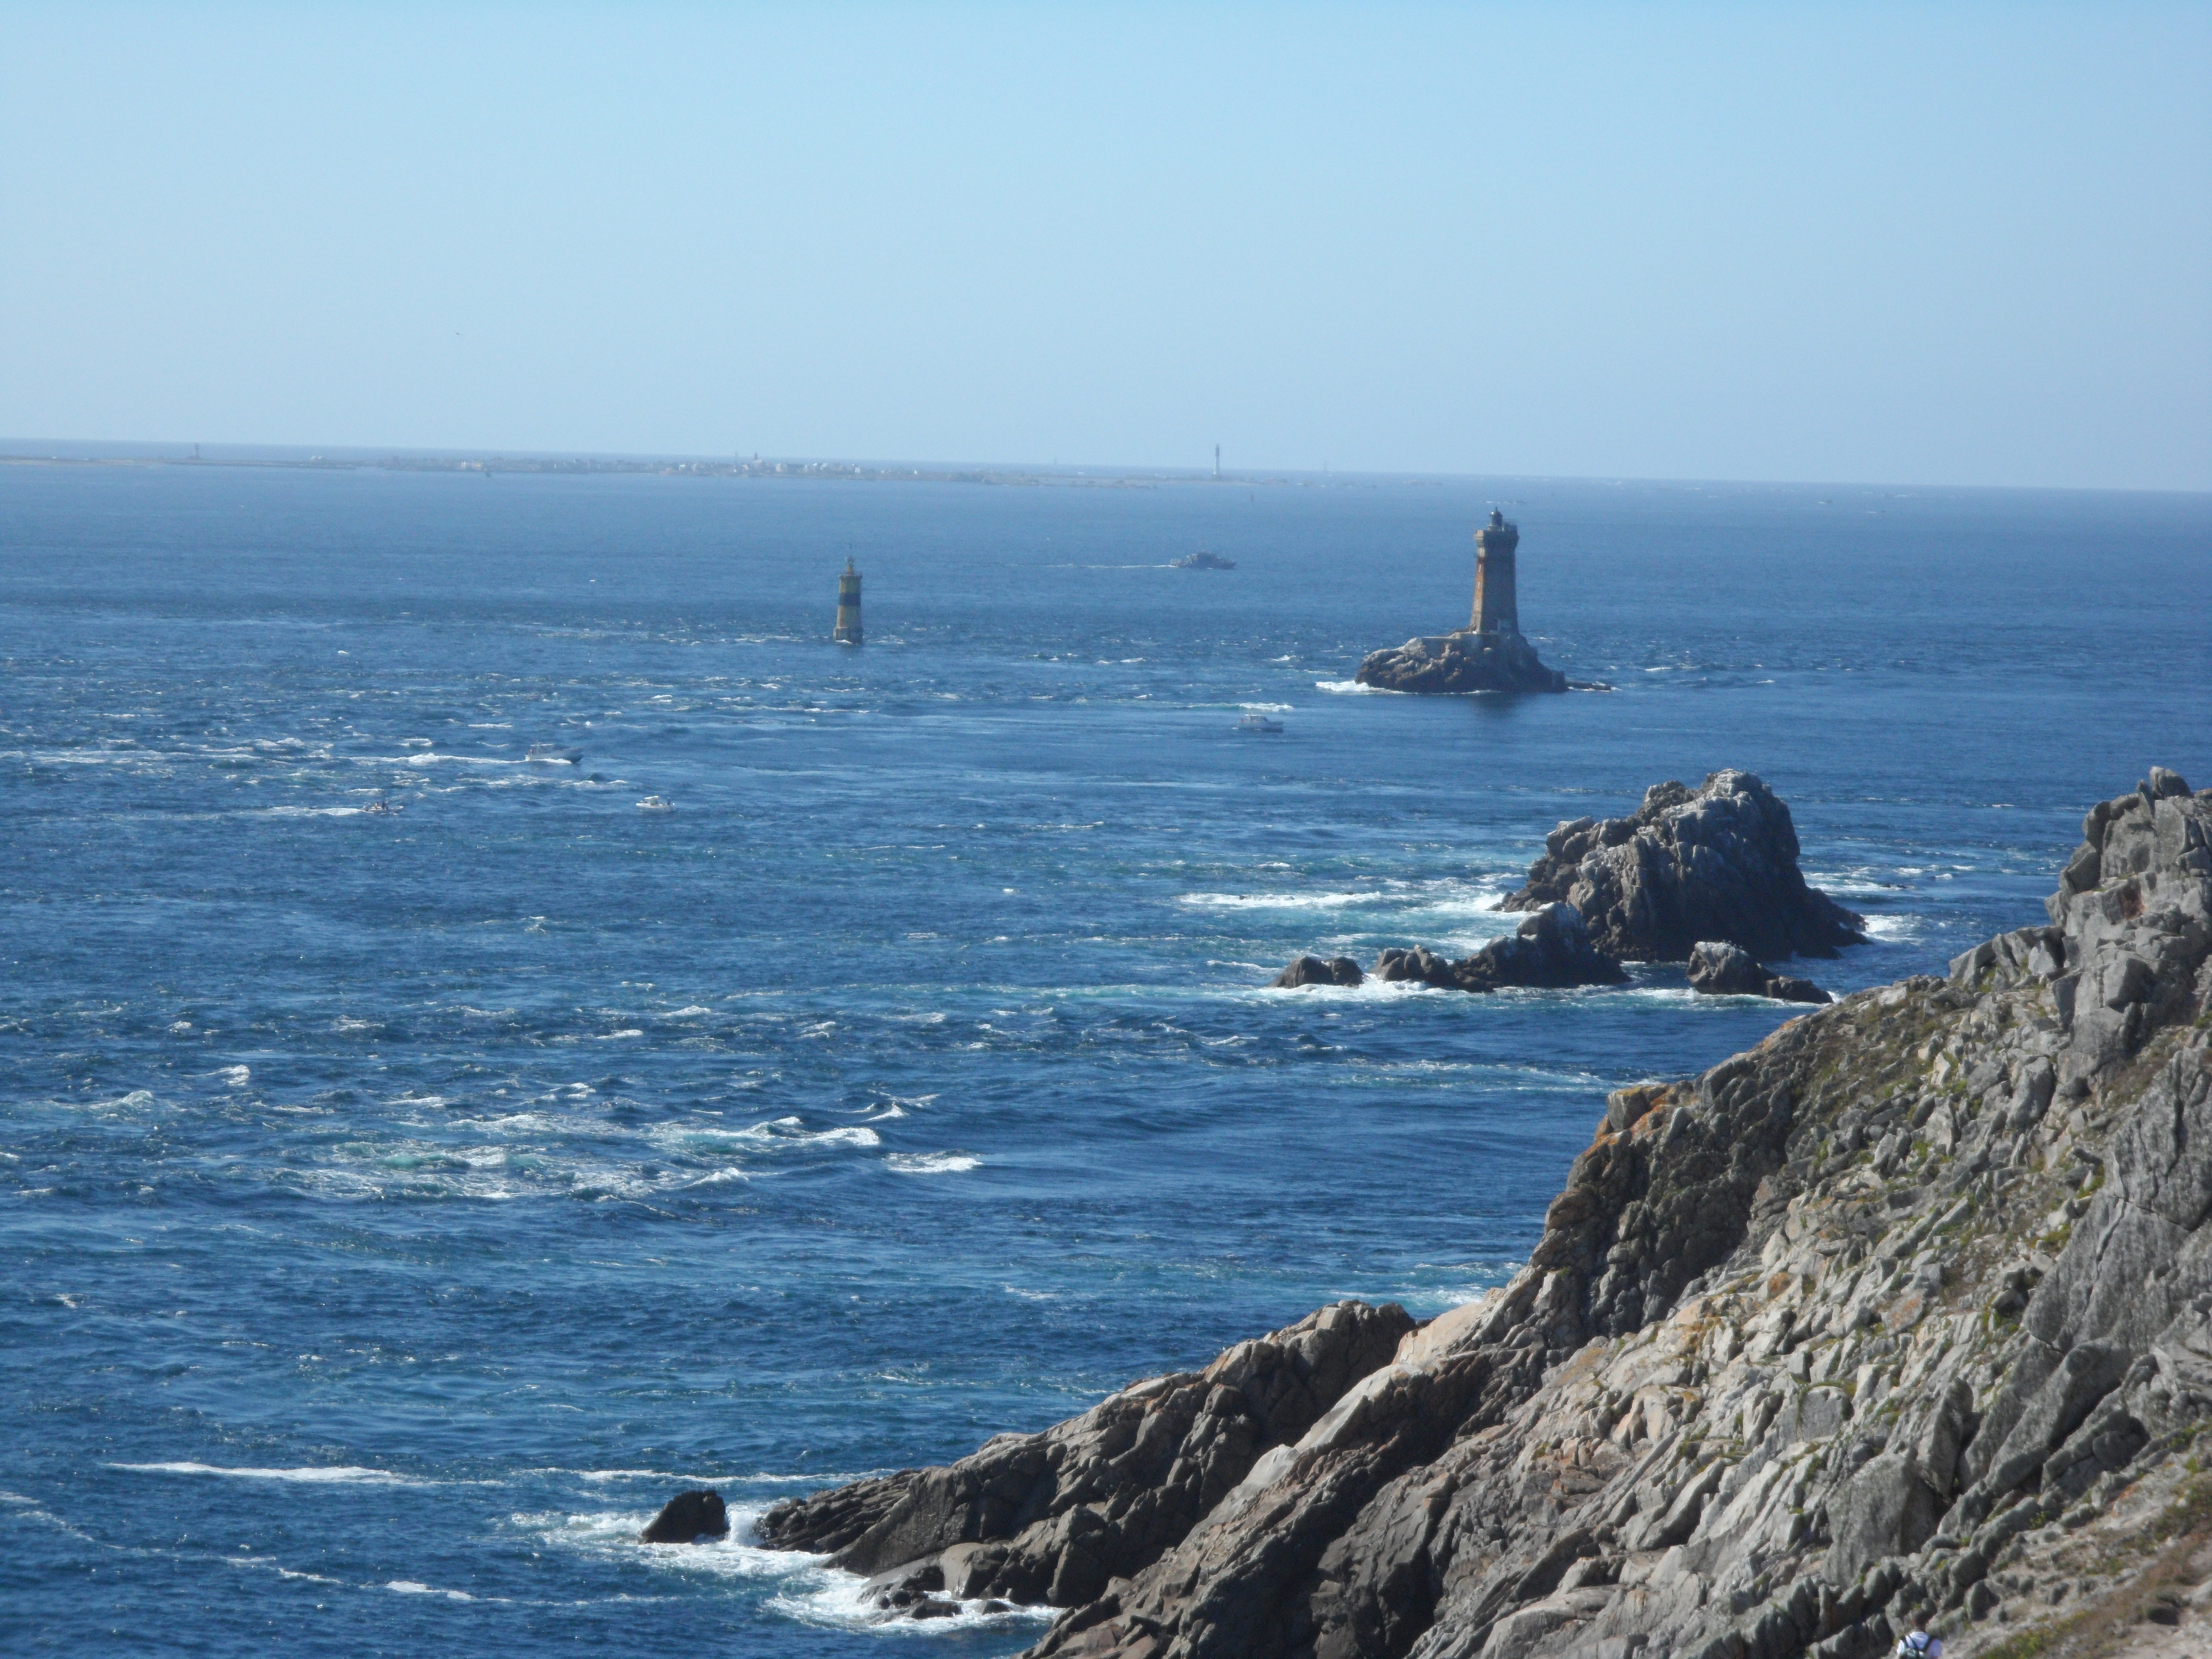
<point x="554" y="753"/>
<point x="656" y="804"/>
<point x="1202" y="560"/>
<point x="381" y="807"/>
<point x="1258" y="723"/>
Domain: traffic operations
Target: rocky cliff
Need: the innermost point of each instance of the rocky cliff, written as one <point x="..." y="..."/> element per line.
<point x="1717" y="863"/>
<point x="1910" y="1307"/>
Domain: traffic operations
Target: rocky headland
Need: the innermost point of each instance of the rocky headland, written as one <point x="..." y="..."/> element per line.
<point x="1456" y="663"/>
<point x="1908" y="1310"/>
<point x="1716" y="863"/>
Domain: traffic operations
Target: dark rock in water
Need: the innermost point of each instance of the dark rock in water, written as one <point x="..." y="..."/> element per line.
<point x="1500" y="661"/>
<point x="1312" y="970"/>
<point x="1718" y="863"/>
<point x="1793" y="988"/>
<point x="686" y="1518"/>
<point x="1053" y="1517"/>
<point x="1551" y="950"/>
<point x="909" y="1592"/>
<point x="1421" y="964"/>
<point x="1720" y="969"/>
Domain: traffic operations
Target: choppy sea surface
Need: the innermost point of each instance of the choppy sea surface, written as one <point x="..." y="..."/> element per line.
<point x="396" y="1207"/>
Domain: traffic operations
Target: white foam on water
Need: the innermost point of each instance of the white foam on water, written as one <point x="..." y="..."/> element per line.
<point x="692" y="1012"/>
<point x="777" y="1133"/>
<point x="1895" y="928"/>
<point x="718" y="1177"/>
<point x="1354" y="688"/>
<point x="347" y="1022"/>
<point x="838" y="1600"/>
<point x="237" y="1076"/>
<point x="930" y="1163"/>
<point x="319" y="1474"/>
<point x="409" y="1587"/>
<point x="1267" y="707"/>
<point x="609" y="1037"/>
<point x="1280" y="900"/>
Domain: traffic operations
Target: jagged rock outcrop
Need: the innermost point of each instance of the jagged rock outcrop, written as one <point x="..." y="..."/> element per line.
<point x="1551" y="950"/>
<point x="1499" y="660"/>
<point x="686" y="1518"/>
<point x="1716" y="863"/>
<point x="1313" y="970"/>
<point x="1718" y="968"/>
<point x="1909" y="1307"/>
<point x="1053" y="1517"/>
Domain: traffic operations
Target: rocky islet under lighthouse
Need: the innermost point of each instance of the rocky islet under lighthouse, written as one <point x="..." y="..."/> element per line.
<point x="1488" y="654"/>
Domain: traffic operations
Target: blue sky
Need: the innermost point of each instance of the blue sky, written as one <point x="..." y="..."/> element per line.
<point x="1932" y="244"/>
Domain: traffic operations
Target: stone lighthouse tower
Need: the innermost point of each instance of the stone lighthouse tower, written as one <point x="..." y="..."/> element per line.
<point x="848" y="606"/>
<point x="1496" y="608"/>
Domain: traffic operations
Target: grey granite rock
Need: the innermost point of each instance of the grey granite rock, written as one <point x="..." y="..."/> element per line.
<point x="1909" y="1307"/>
<point x="1500" y="661"/>
<point x="1718" y="968"/>
<point x="1052" y="1518"/>
<point x="1550" y="950"/>
<point x="1717" y="863"/>
<point x="1314" y="970"/>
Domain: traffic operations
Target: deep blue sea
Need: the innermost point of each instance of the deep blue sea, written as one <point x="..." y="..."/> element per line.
<point x="397" y="1207"/>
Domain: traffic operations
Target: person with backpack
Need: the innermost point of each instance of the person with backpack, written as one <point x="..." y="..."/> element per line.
<point x="1917" y="1643"/>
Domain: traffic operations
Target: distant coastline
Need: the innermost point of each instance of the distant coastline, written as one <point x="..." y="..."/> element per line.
<point x="272" y="457"/>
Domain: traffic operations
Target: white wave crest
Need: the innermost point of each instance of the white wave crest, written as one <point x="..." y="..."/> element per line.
<point x="1354" y="688"/>
<point x="930" y="1163"/>
<point x="1280" y="901"/>
<point x="334" y="1474"/>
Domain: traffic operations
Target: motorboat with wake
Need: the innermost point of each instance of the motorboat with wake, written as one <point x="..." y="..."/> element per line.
<point x="552" y="754"/>
<point x="1257" y="723"/>
<point x="656" y="804"/>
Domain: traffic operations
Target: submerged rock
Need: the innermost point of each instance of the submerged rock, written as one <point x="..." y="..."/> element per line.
<point x="686" y="1518"/>
<point x="1499" y="660"/>
<point x="1716" y="863"/>
<point x="1908" y="1308"/>
<point x="1721" y="969"/>
<point x="1312" y="970"/>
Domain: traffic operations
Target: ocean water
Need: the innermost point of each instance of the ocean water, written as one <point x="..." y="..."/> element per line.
<point x="397" y="1207"/>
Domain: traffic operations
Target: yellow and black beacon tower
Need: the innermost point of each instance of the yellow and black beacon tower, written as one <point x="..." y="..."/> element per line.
<point x="848" y="606"/>
<point x="1497" y="607"/>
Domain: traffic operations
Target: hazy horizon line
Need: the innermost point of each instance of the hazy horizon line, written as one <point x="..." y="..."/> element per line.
<point x="226" y="453"/>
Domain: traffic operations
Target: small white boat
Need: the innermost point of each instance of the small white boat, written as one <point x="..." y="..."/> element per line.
<point x="383" y="806"/>
<point x="1258" y="723"/>
<point x="656" y="804"/>
<point x="554" y="755"/>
